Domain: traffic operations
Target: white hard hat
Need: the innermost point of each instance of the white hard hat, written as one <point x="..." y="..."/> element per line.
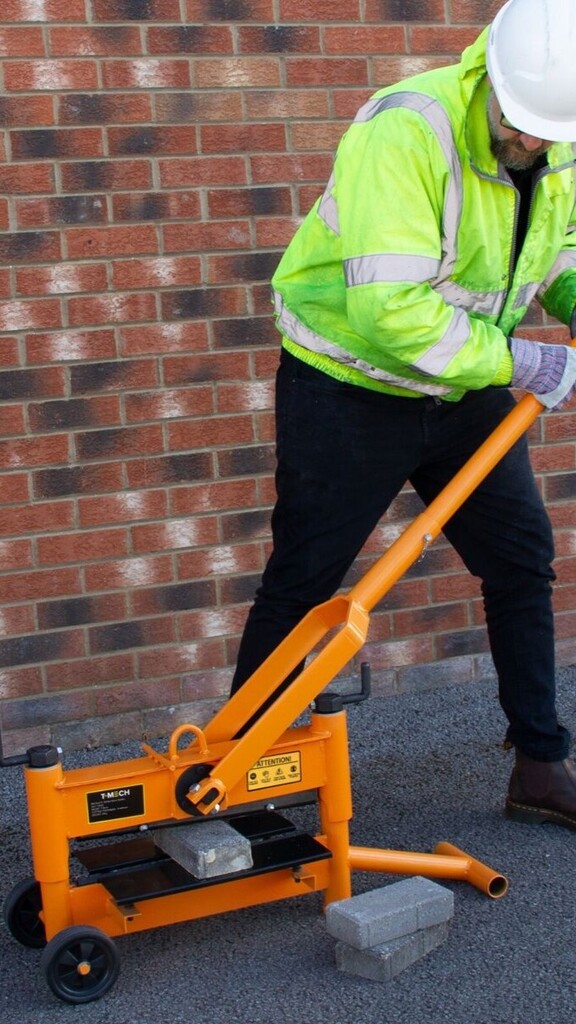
<point x="531" y="61"/>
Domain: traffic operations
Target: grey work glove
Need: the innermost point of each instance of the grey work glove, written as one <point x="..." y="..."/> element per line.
<point x="548" y="371"/>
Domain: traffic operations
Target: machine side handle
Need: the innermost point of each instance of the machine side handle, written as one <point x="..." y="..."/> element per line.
<point x="329" y="703"/>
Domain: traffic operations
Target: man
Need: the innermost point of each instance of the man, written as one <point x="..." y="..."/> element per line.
<point x="450" y="207"/>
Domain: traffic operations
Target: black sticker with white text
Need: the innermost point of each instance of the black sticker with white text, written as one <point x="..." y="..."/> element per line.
<point x="112" y="804"/>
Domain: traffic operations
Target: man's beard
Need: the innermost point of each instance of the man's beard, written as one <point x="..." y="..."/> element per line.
<point x="514" y="155"/>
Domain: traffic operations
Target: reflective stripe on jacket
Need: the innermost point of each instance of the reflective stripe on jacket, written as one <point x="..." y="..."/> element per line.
<point x="400" y="278"/>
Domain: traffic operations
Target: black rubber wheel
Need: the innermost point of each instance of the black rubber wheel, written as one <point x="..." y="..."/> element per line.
<point x="80" y="964"/>
<point x="22" y="908"/>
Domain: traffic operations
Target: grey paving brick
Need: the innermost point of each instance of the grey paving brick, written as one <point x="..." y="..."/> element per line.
<point x="389" y="912"/>
<point x="207" y="849"/>
<point x="385" y="961"/>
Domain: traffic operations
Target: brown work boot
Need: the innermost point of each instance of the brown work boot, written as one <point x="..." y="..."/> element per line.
<point x="542" y="791"/>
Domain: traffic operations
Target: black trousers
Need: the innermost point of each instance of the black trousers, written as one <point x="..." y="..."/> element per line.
<point x="343" y="454"/>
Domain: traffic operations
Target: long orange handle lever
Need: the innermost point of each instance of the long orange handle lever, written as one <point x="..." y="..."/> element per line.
<point x="347" y="617"/>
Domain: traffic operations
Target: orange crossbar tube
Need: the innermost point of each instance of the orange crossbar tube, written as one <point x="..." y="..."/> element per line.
<point x="447" y="861"/>
<point x="346" y="615"/>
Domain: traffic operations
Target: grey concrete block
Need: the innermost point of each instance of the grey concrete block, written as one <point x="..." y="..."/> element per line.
<point x="384" y="962"/>
<point x="206" y="849"/>
<point x="389" y="912"/>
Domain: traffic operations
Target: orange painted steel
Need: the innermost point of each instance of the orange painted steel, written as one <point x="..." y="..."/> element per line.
<point x="226" y="767"/>
<point x="346" y="617"/>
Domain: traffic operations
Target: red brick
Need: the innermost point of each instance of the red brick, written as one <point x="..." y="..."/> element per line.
<point x="19" y="682"/>
<point x="407" y="10"/>
<point x="175" y="139"/>
<point x="242" y="138"/>
<point x="446" y="39"/>
<point x="34" y="452"/>
<point x="320" y="10"/>
<point x="12" y="420"/>
<point x="307" y="196"/>
<point x="429" y="620"/>
<point x="70" y="345"/>
<point x="221" y="560"/>
<point x="33" y="586"/>
<point x="199" y="171"/>
<point x="279" y="39"/>
<point x="64" y="277"/>
<point x="146" y="73"/>
<point x="219" y="430"/>
<point x="4" y="214"/>
<point x="312" y="135"/>
<point x="231" y="10"/>
<point x="287" y="103"/>
<point x="57" y="143"/>
<point x="227" y="494"/>
<point x="161" y="338"/>
<point x="94" y="671"/>
<point x="245" y="396"/>
<point x="156" y="206"/>
<point x="169" y="469"/>
<point x="159" y="272"/>
<point x="79" y="611"/>
<point x="27" y="384"/>
<point x="248" y="72"/>
<point x="86" y="176"/>
<point x="480" y="11"/>
<point x="553" y="457"/>
<point x="48" y="10"/>
<point x="113" y="308"/>
<point x="25" y="179"/>
<point x="199" y="106"/>
<point x="26" y="315"/>
<point x="290" y="168"/>
<point x="49" y="210"/>
<point x="276" y="230"/>
<point x="328" y="71"/>
<point x="51" y="75"/>
<point x="110" y="242"/>
<point x="216" y="622"/>
<point x="82" y="546"/>
<point x="95" y="42"/>
<point x="197" y="369"/>
<point x="100" y="108"/>
<point x="130" y="442"/>
<point x="156" y="10"/>
<point x="128" y="506"/>
<point x="22" y="41"/>
<point x="15" y="554"/>
<point x="181" y="658"/>
<point x="16" y="111"/>
<point x="113" y="701"/>
<point x="138" y="571"/>
<point x="169" y="404"/>
<point x="175" y="533"/>
<point x="15" y="488"/>
<point x="365" y="39"/>
<point x="37" y="518"/>
<point x="190" y="39"/>
<point x="233" y="234"/>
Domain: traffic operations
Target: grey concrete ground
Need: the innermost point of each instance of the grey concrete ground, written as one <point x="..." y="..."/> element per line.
<point x="426" y="767"/>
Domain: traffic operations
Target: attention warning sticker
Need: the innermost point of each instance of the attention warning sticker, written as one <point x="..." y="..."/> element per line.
<point x="280" y="770"/>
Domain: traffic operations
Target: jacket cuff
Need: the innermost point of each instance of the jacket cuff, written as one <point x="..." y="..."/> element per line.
<point x="504" y="372"/>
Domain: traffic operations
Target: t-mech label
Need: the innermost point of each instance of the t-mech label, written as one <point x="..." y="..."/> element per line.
<point x="279" y="770"/>
<point x="112" y="804"/>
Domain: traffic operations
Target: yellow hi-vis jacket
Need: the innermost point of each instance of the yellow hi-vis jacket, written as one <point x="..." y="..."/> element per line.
<point x="401" y="277"/>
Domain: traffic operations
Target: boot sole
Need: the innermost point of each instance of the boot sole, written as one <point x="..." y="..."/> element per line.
<point x="537" y="815"/>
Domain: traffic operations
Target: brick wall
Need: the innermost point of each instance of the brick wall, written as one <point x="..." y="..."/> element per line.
<point x="156" y="157"/>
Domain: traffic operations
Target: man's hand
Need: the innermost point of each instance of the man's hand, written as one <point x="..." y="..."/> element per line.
<point x="548" y="371"/>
